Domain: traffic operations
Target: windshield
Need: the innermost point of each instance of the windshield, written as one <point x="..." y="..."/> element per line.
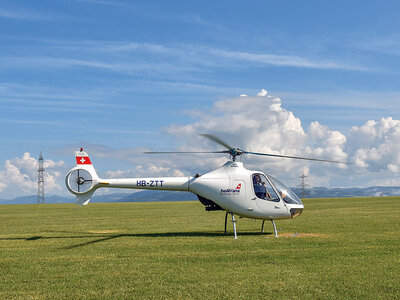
<point x="287" y="194"/>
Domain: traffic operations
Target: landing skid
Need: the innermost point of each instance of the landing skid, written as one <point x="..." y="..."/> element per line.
<point x="273" y="224"/>
<point x="234" y="225"/>
<point x="233" y="221"/>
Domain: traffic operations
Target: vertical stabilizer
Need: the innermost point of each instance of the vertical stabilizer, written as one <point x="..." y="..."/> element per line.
<point x="82" y="180"/>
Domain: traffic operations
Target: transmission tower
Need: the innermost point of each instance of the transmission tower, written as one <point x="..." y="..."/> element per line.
<point x="303" y="185"/>
<point x="40" y="193"/>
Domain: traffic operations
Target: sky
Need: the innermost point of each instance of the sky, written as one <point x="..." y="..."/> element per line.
<point x="311" y="78"/>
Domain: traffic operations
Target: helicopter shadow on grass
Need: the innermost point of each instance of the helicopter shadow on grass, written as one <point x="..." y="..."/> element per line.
<point x="167" y="235"/>
<point x="106" y="237"/>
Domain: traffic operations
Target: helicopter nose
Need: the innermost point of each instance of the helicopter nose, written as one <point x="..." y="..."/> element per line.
<point x="296" y="212"/>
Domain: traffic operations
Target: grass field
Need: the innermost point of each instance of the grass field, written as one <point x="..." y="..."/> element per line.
<point x="346" y="248"/>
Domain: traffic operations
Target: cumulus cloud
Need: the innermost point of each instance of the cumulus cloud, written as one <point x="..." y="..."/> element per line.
<point x="326" y="143"/>
<point x="261" y="123"/>
<point x="255" y="123"/>
<point x="258" y="123"/>
<point x="376" y="145"/>
<point x="20" y="173"/>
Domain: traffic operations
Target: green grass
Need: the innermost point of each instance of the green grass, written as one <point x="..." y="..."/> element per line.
<point x="346" y="248"/>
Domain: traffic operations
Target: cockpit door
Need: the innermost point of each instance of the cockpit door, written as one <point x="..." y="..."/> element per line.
<point x="237" y="194"/>
<point x="267" y="198"/>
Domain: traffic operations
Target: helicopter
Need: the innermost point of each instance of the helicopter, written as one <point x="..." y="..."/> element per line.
<point x="230" y="188"/>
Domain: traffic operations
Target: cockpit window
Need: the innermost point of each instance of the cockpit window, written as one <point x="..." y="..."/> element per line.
<point x="263" y="189"/>
<point x="287" y="194"/>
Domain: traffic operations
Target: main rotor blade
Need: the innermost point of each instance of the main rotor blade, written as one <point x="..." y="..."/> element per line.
<point x="172" y="152"/>
<point x="217" y="140"/>
<point x="298" y="157"/>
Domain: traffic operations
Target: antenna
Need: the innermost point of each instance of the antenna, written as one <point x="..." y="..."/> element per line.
<point x="40" y="193"/>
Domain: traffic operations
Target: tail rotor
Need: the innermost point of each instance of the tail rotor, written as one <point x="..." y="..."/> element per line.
<point x="80" y="181"/>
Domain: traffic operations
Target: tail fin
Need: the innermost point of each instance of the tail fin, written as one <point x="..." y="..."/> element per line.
<point x="82" y="180"/>
<point x="82" y="158"/>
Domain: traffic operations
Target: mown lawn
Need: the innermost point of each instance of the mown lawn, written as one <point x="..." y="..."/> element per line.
<point x="345" y="248"/>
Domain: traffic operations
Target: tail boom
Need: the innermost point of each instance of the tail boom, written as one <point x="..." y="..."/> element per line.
<point x="160" y="183"/>
<point x="82" y="181"/>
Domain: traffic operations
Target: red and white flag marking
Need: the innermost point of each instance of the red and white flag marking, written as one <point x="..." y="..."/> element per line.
<point x="82" y="158"/>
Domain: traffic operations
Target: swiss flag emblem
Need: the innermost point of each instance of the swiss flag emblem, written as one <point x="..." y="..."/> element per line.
<point x="83" y="160"/>
<point x="239" y="186"/>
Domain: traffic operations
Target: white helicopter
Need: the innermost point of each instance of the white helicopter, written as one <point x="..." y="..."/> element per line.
<point x="231" y="187"/>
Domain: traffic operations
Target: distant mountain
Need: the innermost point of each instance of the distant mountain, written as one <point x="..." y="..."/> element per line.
<point x="142" y="196"/>
<point x="157" y="196"/>
<point x="373" y="191"/>
<point x="32" y="199"/>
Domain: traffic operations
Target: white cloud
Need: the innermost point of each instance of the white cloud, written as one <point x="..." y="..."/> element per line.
<point x="117" y="174"/>
<point x="162" y="61"/>
<point x="283" y="60"/>
<point x="2" y="187"/>
<point x="262" y="124"/>
<point x="254" y="123"/>
<point x="262" y="93"/>
<point x="145" y="168"/>
<point x="327" y="143"/>
<point x="376" y="145"/>
<point x="21" y="174"/>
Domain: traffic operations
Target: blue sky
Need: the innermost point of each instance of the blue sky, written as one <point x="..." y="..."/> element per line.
<point x="115" y="76"/>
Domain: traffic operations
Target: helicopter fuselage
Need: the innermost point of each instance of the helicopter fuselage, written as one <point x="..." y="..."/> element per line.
<point x="231" y="187"/>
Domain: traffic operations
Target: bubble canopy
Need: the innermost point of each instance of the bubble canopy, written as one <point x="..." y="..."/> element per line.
<point x="286" y="193"/>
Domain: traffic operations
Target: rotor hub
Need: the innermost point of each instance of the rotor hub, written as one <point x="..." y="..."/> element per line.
<point x="80" y="180"/>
